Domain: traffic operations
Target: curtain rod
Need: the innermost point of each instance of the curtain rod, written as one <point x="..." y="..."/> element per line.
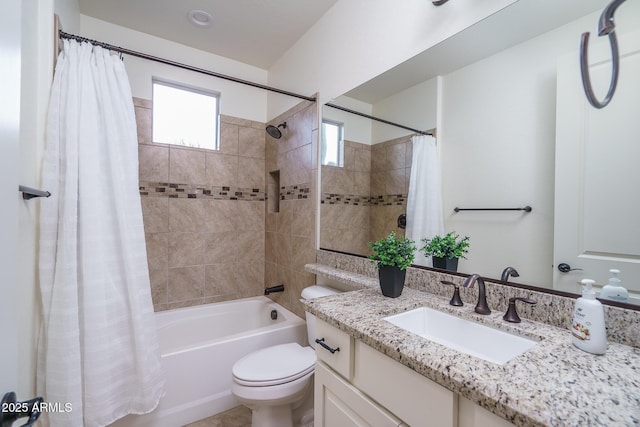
<point x="125" y="51"/>
<point x="357" y="113"/>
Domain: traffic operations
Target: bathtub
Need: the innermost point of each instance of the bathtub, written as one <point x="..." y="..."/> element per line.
<point x="200" y="344"/>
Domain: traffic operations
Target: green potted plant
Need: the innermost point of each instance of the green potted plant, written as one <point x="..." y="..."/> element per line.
<point x="446" y="250"/>
<point x="393" y="255"/>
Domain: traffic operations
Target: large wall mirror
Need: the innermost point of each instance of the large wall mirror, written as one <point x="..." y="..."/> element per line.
<point x="513" y="129"/>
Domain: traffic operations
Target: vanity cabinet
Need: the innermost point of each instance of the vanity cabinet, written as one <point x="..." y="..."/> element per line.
<point x="356" y="385"/>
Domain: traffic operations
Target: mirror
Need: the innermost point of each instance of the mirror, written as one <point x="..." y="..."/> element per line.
<point x="491" y="93"/>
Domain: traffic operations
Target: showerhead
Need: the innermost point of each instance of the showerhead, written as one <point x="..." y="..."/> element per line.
<point x="274" y="131"/>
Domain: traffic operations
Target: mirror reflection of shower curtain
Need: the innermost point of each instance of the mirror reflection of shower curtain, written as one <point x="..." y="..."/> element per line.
<point x="98" y="349"/>
<point x="424" y="203"/>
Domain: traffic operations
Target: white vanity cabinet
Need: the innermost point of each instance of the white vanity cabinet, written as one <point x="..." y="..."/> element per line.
<point x="356" y="385"/>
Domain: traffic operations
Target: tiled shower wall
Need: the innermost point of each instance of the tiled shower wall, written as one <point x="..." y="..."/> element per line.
<point x="204" y="214"/>
<point x="361" y="201"/>
<point x="346" y="203"/>
<point x="290" y="224"/>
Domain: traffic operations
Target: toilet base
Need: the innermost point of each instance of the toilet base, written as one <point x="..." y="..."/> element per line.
<point x="279" y="412"/>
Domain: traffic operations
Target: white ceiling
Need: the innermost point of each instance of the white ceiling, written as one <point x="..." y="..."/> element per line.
<point x="521" y="21"/>
<point x="255" y="32"/>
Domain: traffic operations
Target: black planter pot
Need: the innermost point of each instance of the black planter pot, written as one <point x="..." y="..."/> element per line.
<point x="391" y="280"/>
<point x="450" y="264"/>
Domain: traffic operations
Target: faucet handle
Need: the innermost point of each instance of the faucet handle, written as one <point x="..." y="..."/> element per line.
<point x="455" y="299"/>
<point x="512" y="315"/>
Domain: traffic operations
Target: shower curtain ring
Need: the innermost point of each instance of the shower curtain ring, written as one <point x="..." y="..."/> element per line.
<point x="584" y="70"/>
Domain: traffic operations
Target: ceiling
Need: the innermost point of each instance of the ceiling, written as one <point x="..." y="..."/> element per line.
<point x="515" y="24"/>
<point x="255" y="32"/>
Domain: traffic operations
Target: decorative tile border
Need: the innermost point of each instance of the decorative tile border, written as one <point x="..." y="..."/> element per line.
<point x="356" y="200"/>
<point x="294" y="192"/>
<point x="192" y="191"/>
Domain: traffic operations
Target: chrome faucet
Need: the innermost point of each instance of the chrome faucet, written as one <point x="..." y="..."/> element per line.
<point x="509" y="271"/>
<point x="481" y="307"/>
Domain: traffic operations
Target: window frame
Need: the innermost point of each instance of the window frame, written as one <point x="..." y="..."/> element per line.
<point x="340" y="126"/>
<point x="188" y="88"/>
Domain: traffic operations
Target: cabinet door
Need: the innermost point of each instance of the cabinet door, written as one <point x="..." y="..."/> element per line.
<point x="338" y="403"/>
<point x="472" y="415"/>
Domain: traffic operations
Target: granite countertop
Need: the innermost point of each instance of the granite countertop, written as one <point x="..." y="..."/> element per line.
<point x="553" y="384"/>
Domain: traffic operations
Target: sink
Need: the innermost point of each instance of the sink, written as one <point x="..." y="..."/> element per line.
<point x="463" y="335"/>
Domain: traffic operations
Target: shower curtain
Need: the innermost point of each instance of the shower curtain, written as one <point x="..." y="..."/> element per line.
<point x="98" y="350"/>
<point x="424" y="202"/>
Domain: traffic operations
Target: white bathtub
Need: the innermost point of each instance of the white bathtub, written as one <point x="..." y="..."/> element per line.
<point x="200" y="344"/>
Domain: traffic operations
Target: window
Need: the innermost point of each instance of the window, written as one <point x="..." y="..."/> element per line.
<point x="186" y="116"/>
<point x="332" y="143"/>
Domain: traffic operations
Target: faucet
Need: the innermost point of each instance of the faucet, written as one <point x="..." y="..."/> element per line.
<point x="272" y="289"/>
<point x="481" y="307"/>
<point x="509" y="271"/>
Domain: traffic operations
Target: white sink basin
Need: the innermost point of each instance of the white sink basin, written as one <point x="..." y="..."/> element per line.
<point x="463" y="335"/>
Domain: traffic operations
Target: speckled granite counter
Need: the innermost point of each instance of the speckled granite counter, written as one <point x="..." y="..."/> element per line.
<point x="553" y="384"/>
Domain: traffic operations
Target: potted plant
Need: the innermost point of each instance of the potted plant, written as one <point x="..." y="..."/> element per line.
<point x="393" y="254"/>
<point x="446" y="250"/>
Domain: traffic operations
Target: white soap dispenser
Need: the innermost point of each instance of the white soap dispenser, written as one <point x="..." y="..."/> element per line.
<point x="614" y="290"/>
<point x="588" y="332"/>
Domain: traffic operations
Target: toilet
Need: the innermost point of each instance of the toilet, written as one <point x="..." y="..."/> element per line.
<point x="277" y="382"/>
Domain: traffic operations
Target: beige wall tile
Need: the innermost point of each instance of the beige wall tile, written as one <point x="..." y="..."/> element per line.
<point x="302" y="251"/>
<point x="186" y="249"/>
<point x="221" y="169"/>
<point x="270" y="220"/>
<point x="186" y="166"/>
<point x="221" y="215"/>
<point x="155" y="213"/>
<point x="221" y="247"/>
<point x="396" y="182"/>
<point x="186" y="215"/>
<point x="251" y="142"/>
<point x="251" y="215"/>
<point x="363" y="160"/>
<point x="378" y="184"/>
<point x="362" y="183"/>
<point x="270" y="247"/>
<point x="143" y="124"/>
<point x="221" y="279"/>
<point x="283" y="249"/>
<point x="158" y="280"/>
<point x="157" y="250"/>
<point x="251" y="246"/>
<point x="283" y="218"/>
<point x="229" y="134"/>
<point x="250" y="173"/>
<point x="153" y="163"/>
<point x="378" y="158"/>
<point x="185" y="283"/>
<point x="349" y="158"/>
<point x="251" y="279"/>
<point x="396" y="156"/>
<point x="302" y="218"/>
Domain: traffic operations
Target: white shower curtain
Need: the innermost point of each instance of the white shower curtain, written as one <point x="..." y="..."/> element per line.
<point x="98" y="348"/>
<point x="424" y="203"/>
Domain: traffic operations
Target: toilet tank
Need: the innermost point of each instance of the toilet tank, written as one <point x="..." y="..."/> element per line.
<point x="310" y="293"/>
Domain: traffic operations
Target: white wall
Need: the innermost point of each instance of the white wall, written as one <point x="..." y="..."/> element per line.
<point x="236" y="100"/>
<point x="10" y="80"/>
<point x="414" y="107"/>
<point x="37" y="72"/>
<point x="356" y="128"/>
<point x="358" y="39"/>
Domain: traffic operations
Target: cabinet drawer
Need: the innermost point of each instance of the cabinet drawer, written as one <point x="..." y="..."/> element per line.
<point x="417" y="400"/>
<point x="338" y="403"/>
<point x="341" y="359"/>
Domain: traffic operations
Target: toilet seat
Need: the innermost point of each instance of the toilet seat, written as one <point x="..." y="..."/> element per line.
<point x="274" y="365"/>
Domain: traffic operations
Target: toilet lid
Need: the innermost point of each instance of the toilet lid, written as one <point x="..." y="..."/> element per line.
<point x="274" y="365"/>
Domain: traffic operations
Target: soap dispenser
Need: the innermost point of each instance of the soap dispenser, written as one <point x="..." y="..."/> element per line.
<point x="614" y="290"/>
<point x="588" y="332"/>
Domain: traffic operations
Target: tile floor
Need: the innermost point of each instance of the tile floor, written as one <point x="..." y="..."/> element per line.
<point x="236" y="417"/>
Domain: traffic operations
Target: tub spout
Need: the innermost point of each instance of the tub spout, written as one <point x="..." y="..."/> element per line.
<point x="271" y="289"/>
